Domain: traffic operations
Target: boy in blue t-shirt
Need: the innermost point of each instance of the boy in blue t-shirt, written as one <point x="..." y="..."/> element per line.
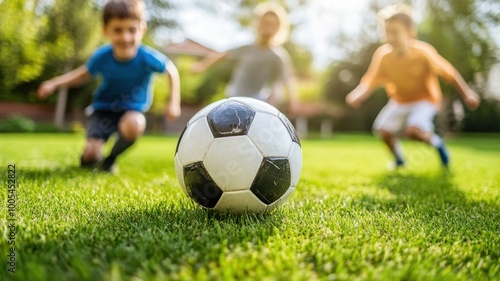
<point x="126" y="67"/>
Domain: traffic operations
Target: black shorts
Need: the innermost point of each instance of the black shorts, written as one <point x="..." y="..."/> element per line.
<point x="103" y="124"/>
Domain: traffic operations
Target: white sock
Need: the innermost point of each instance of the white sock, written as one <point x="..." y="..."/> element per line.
<point x="436" y="141"/>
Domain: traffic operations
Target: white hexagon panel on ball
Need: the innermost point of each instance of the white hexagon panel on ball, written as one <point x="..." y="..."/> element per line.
<point x="270" y="135"/>
<point x="233" y="163"/>
<point x="195" y="142"/>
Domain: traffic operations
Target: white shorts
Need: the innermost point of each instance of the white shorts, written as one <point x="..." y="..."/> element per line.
<point x="395" y="118"/>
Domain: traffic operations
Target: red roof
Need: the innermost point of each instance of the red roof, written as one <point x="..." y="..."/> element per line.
<point x="188" y="47"/>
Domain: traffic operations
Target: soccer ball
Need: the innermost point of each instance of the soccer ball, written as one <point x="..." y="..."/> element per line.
<point x="239" y="155"/>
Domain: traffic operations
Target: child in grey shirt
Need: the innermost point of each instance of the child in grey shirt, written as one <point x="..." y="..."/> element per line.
<point x="262" y="69"/>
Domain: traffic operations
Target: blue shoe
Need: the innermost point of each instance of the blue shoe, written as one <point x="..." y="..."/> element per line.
<point x="394" y="166"/>
<point x="444" y="155"/>
<point x="89" y="165"/>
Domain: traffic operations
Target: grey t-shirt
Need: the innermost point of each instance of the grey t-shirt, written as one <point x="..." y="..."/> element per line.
<point x="257" y="70"/>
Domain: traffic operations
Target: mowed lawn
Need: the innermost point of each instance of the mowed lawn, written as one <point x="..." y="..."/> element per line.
<point x="349" y="218"/>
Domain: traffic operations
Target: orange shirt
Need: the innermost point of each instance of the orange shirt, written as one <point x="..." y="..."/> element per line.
<point x="411" y="77"/>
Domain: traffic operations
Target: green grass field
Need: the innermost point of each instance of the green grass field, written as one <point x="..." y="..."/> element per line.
<point x="349" y="218"/>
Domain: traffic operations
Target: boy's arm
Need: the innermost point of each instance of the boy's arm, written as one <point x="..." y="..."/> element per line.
<point x="289" y="82"/>
<point x="173" y="109"/>
<point x="73" y="78"/>
<point x="444" y="69"/>
<point x="369" y="82"/>
<point x="471" y="98"/>
<point x="357" y="96"/>
<point x="208" y="61"/>
<point x="289" y="87"/>
<point x="292" y="95"/>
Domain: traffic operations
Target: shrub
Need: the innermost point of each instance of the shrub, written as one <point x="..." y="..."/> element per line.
<point x="17" y="123"/>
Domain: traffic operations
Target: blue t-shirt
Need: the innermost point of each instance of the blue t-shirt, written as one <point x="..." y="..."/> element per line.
<point x="125" y="84"/>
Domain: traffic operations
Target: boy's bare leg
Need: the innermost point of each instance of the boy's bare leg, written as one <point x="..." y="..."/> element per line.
<point x="92" y="152"/>
<point x="132" y="125"/>
<point x="431" y="139"/>
<point x="394" y="146"/>
<point x="130" y="128"/>
<point x="419" y="135"/>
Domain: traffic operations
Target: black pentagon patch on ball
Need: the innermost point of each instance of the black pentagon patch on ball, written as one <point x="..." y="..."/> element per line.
<point x="230" y="119"/>
<point x="272" y="180"/>
<point x="200" y="186"/>
<point x="290" y="128"/>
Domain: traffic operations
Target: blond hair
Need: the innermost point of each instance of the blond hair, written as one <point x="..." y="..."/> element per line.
<point x="284" y="25"/>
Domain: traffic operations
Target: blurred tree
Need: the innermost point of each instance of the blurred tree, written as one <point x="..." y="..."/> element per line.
<point x="22" y="54"/>
<point x="460" y="31"/>
<point x="301" y="57"/>
<point x="159" y="15"/>
<point x="72" y="34"/>
<point x="214" y="82"/>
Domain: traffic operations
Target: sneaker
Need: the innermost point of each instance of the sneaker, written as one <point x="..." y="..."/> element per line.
<point x="444" y="155"/>
<point x="90" y="165"/>
<point x="394" y="166"/>
<point x="109" y="166"/>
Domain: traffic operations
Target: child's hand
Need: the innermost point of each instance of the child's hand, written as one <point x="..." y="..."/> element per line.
<point x="173" y="111"/>
<point x="353" y="100"/>
<point x="472" y="100"/>
<point x="46" y="89"/>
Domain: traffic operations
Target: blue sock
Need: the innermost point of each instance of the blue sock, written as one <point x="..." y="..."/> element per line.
<point x="400" y="162"/>
<point x="438" y="143"/>
<point x="443" y="153"/>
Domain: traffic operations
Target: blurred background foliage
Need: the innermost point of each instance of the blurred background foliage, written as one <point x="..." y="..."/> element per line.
<point x="40" y="39"/>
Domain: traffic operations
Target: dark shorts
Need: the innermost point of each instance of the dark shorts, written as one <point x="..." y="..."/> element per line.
<point x="103" y="124"/>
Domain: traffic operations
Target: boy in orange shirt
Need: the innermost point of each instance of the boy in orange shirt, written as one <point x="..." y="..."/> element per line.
<point x="409" y="70"/>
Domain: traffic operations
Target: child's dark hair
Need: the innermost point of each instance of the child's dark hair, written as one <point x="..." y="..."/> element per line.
<point x="123" y="9"/>
<point x="400" y="13"/>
